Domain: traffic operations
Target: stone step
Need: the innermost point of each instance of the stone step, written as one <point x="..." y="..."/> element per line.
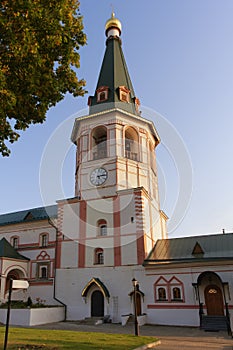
<point x="214" y="323"/>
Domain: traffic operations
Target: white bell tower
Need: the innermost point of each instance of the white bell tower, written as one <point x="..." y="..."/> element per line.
<point x="116" y="210"/>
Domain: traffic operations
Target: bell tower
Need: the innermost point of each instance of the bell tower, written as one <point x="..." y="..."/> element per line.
<point x="117" y="211"/>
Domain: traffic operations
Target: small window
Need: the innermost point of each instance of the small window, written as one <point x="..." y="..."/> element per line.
<point x="124" y="94"/>
<point x="176" y="293"/>
<point x="124" y="97"/>
<point x="168" y="290"/>
<point x="162" y="295"/>
<point x="212" y="291"/>
<point x="44" y="240"/>
<point x="43" y="271"/>
<point x="15" y="242"/>
<point x="99" y="256"/>
<point x="102" y="228"/>
<point x="102" y="94"/>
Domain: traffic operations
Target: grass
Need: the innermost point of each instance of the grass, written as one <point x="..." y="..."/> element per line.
<point x="28" y="338"/>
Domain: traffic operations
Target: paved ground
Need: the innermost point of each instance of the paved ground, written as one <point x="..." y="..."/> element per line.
<point x="172" y="338"/>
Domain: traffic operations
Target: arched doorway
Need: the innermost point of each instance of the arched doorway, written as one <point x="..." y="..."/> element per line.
<point x="13" y="274"/>
<point x="214" y="300"/>
<point x="97" y="304"/>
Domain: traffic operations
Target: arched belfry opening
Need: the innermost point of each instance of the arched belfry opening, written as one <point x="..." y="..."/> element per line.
<point x="99" y="142"/>
<point x="131" y="144"/>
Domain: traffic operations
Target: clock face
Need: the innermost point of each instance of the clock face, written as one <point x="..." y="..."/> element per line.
<point x="98" y="176"/>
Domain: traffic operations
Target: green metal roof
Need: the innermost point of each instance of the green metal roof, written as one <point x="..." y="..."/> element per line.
<point x="29" y="215"/>
<point x="7" y="251"/>
<point x="209" y="247"/>
<point x="114" y="73"/>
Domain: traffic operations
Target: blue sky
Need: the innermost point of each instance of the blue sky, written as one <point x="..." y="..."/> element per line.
<point x="180" y="58"/>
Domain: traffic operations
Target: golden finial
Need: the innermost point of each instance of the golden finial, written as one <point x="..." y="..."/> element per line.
<point x="113" y="22"/>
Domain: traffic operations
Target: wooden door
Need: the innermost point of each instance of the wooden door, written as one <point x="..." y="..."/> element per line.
<point x="97" y="304"/>
<point x="214" y="300"/>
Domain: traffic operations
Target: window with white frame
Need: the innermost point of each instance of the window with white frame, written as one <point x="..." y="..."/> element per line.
<point x="176" y="293"/>
<point x="102" y="94"/>
<point x="177" y="289"/>
<point x="124" y="94"/>
<point x="162" y="293"/>
<point x="43" y="271"/>
<point x="102" y="228"/>
<point x="169" y="290"/>
<point x="44" y="239"/>
<point x="99" y="256"/>
<point x="15" y="242"/>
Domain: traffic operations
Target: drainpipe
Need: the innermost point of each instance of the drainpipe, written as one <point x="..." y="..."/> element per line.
<point x="55" y="268"/>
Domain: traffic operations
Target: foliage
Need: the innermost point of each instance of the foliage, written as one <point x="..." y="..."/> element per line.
<point x="39" y="44"/>
<point x="73" y="340"/>
<point x="20" y="304"/>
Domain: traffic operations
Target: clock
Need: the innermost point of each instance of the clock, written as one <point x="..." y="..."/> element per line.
<point x="98" y="176"/>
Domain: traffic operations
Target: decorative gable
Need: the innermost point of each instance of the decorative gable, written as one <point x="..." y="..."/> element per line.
<point x="124" y="94"/>
<point x="102" y="94"/>
<point x="29" y="216"/>
<point x="197" y="250"/>
<point x="137" y="103"/>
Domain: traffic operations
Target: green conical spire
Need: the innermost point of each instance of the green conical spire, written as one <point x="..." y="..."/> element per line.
<point x="114" y="88"/>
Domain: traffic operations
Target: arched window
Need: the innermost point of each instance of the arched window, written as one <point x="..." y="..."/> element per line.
<point x="99" y="142"/>
<point x="102" y="94"/>
<point x="131" y="144"/>
<point x="102" y="229"/>
<point x="15" y="242"/>
<point x="169" y="290"/>
<point x="176" y="293"/>
<point x="44" y="239"/>
<point x="44" y="272"/>
<point x="99" y="256"/>
<point x="162" y="295"/>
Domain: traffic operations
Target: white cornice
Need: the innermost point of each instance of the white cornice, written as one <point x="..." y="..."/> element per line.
<point x="90" y="116"/>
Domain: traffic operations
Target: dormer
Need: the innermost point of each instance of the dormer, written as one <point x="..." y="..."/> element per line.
<point x="102" y="94"/>
<point x="137" y="104"/>
<point x="124" y="94"/>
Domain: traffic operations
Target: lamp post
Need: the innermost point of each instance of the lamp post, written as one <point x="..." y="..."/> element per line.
<point x="136" y="328"/>
<point x="14" y="284"/>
